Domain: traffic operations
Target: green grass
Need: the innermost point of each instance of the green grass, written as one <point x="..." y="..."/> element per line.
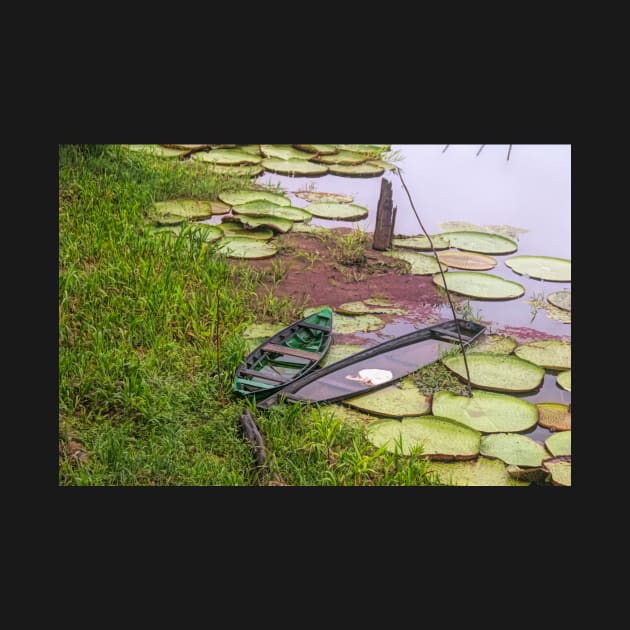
<point x="150" y="333"/>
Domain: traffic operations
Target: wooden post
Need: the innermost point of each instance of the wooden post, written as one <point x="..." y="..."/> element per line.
<point x="385" y="218"/>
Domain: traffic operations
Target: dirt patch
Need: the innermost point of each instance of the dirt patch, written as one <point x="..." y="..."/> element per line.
<point x="314" y="278"/>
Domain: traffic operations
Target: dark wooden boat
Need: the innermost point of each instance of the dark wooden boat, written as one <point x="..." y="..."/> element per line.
<point x="286" y="356"/>
<point x="392" y="360"/>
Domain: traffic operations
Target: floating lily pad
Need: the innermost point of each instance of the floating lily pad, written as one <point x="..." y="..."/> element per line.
<point x="394" y="401"/>
<point x="307" y="228"/>
<point x="559" y="443"/>
<point x="277" y="224"/>
<point x="532" y="474"/>
<point x="498" y="344"/>
<point x="284" y="152"/>
<point x="346" y="324"/>
<point x="218" y="207"/>
<point x="262" y="331"/>
<point x="541" y="267"/>
<point x="480" y="242"/>
<point x="240" y="247"/>
<point x="513" y="449"/>
<point x="497" y="372"/>
<point x="467" y="260"/>
<point x="554" y="416"/>
<point x="235" y="171"/>
<point x="560" y="299"/>
<point x="269" y="209"/>
<point x="420" y="242"/>
<point x="461" y="226"/>
<point x="226" y="157"/>
<point x="487" y="412"/>
<point x="294" y="167"/>
<point x="421" y="264"/>
<point x="482" y="286"/>
<point x="341" y="157"/>
<point x="323" y="197"/>
<point x="506" y="230"/>
<point x="374" y="150"/>
<point x="233" y="228"/>
<point x="439" y="438"/>
<point x="187" y="208"/>
<point x="157" y="150"/>
<point x="352" y="416"/>
<point x="337" y="211"/>
<point x="254" y="149"/>
<point x="166" y="219"/>
<point x="356" y="170"/>
<point x="203" y="232"/>
<point x="557" y="313"/>
<point x="560" y="470"/>
<point x="340" y="351"/>
<point x="364" y="307"/>
<point x="552" y="354"/>
<point x="477" y="472"/>
<point x="322" y="149"/>
<point x="564" y="380"/>
<point x="240" y="197"/>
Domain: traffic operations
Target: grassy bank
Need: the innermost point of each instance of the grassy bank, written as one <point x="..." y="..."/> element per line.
<point x="149" y="337"/>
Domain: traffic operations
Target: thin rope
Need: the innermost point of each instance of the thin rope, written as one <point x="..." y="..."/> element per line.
<point x="446" y="147"/>
<point x="448" y="295"/>
<point x="509" y="151"/>
<point x="480" y="150"/>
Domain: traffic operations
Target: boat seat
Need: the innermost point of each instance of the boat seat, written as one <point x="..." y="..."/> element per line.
<point x="292" y="352"/>
<point x="270" y="377"/>
<point x="315" y="326"/>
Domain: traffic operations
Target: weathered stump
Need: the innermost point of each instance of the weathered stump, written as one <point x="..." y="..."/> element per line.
<point x="385" y="218"/>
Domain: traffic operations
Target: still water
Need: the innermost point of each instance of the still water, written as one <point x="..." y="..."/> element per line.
<point x="530" y="191"/>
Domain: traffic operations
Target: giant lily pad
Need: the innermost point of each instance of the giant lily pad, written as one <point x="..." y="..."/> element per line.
<point x="337" y="211"/>
<point x="554" y="416"/>
<point x="356" y="170"/>
<point x="284" y="152"/>
<point x="361" y="307"/>
<point x="371" y="150"/>
<point x="467" y="260"/>
<point x="341" y="157"/>
<point x="421" y="264"/>
<point x="322" y="149"/>
<point x="478" y="472"/>
<point x="294" y="167"/>
<point x="480" y="242"/>
<point x="559" y="443"/>
<point x="439" y="438"/>
<point x="420" y="242"/>
<point x="541" y="267"/>
<point x="187" y="208"/>
<point x="254" y="149"/>
<point x="497" y="344"/>
<point x="233" y="228"/>
<point x="394" y="401"/>
<point x="267" y="208"/>
<point x="388" y="166"/>
<point x="278" y="224"/>
<point x="226" y="157"/>
<point x="240" y="197"/>
<point x="560" y="299"/>
<point x="166" y="219"/>
<point x="323" y="197"/>
<point x="557" y="313"/>
<point x="202" y="232"/>
<point x="564" y="380"/>
<point x="240" y="247"/>
<point x="552" y="354"/>
<point x="513" y="448"/>
<point x="187" y="147"/>
<point x="497" y="372"/>
<point x="560" y="470"/>
<point x="482" y="286"/>
<point x="346" y="324"/>
<point x="487" y="412"/>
